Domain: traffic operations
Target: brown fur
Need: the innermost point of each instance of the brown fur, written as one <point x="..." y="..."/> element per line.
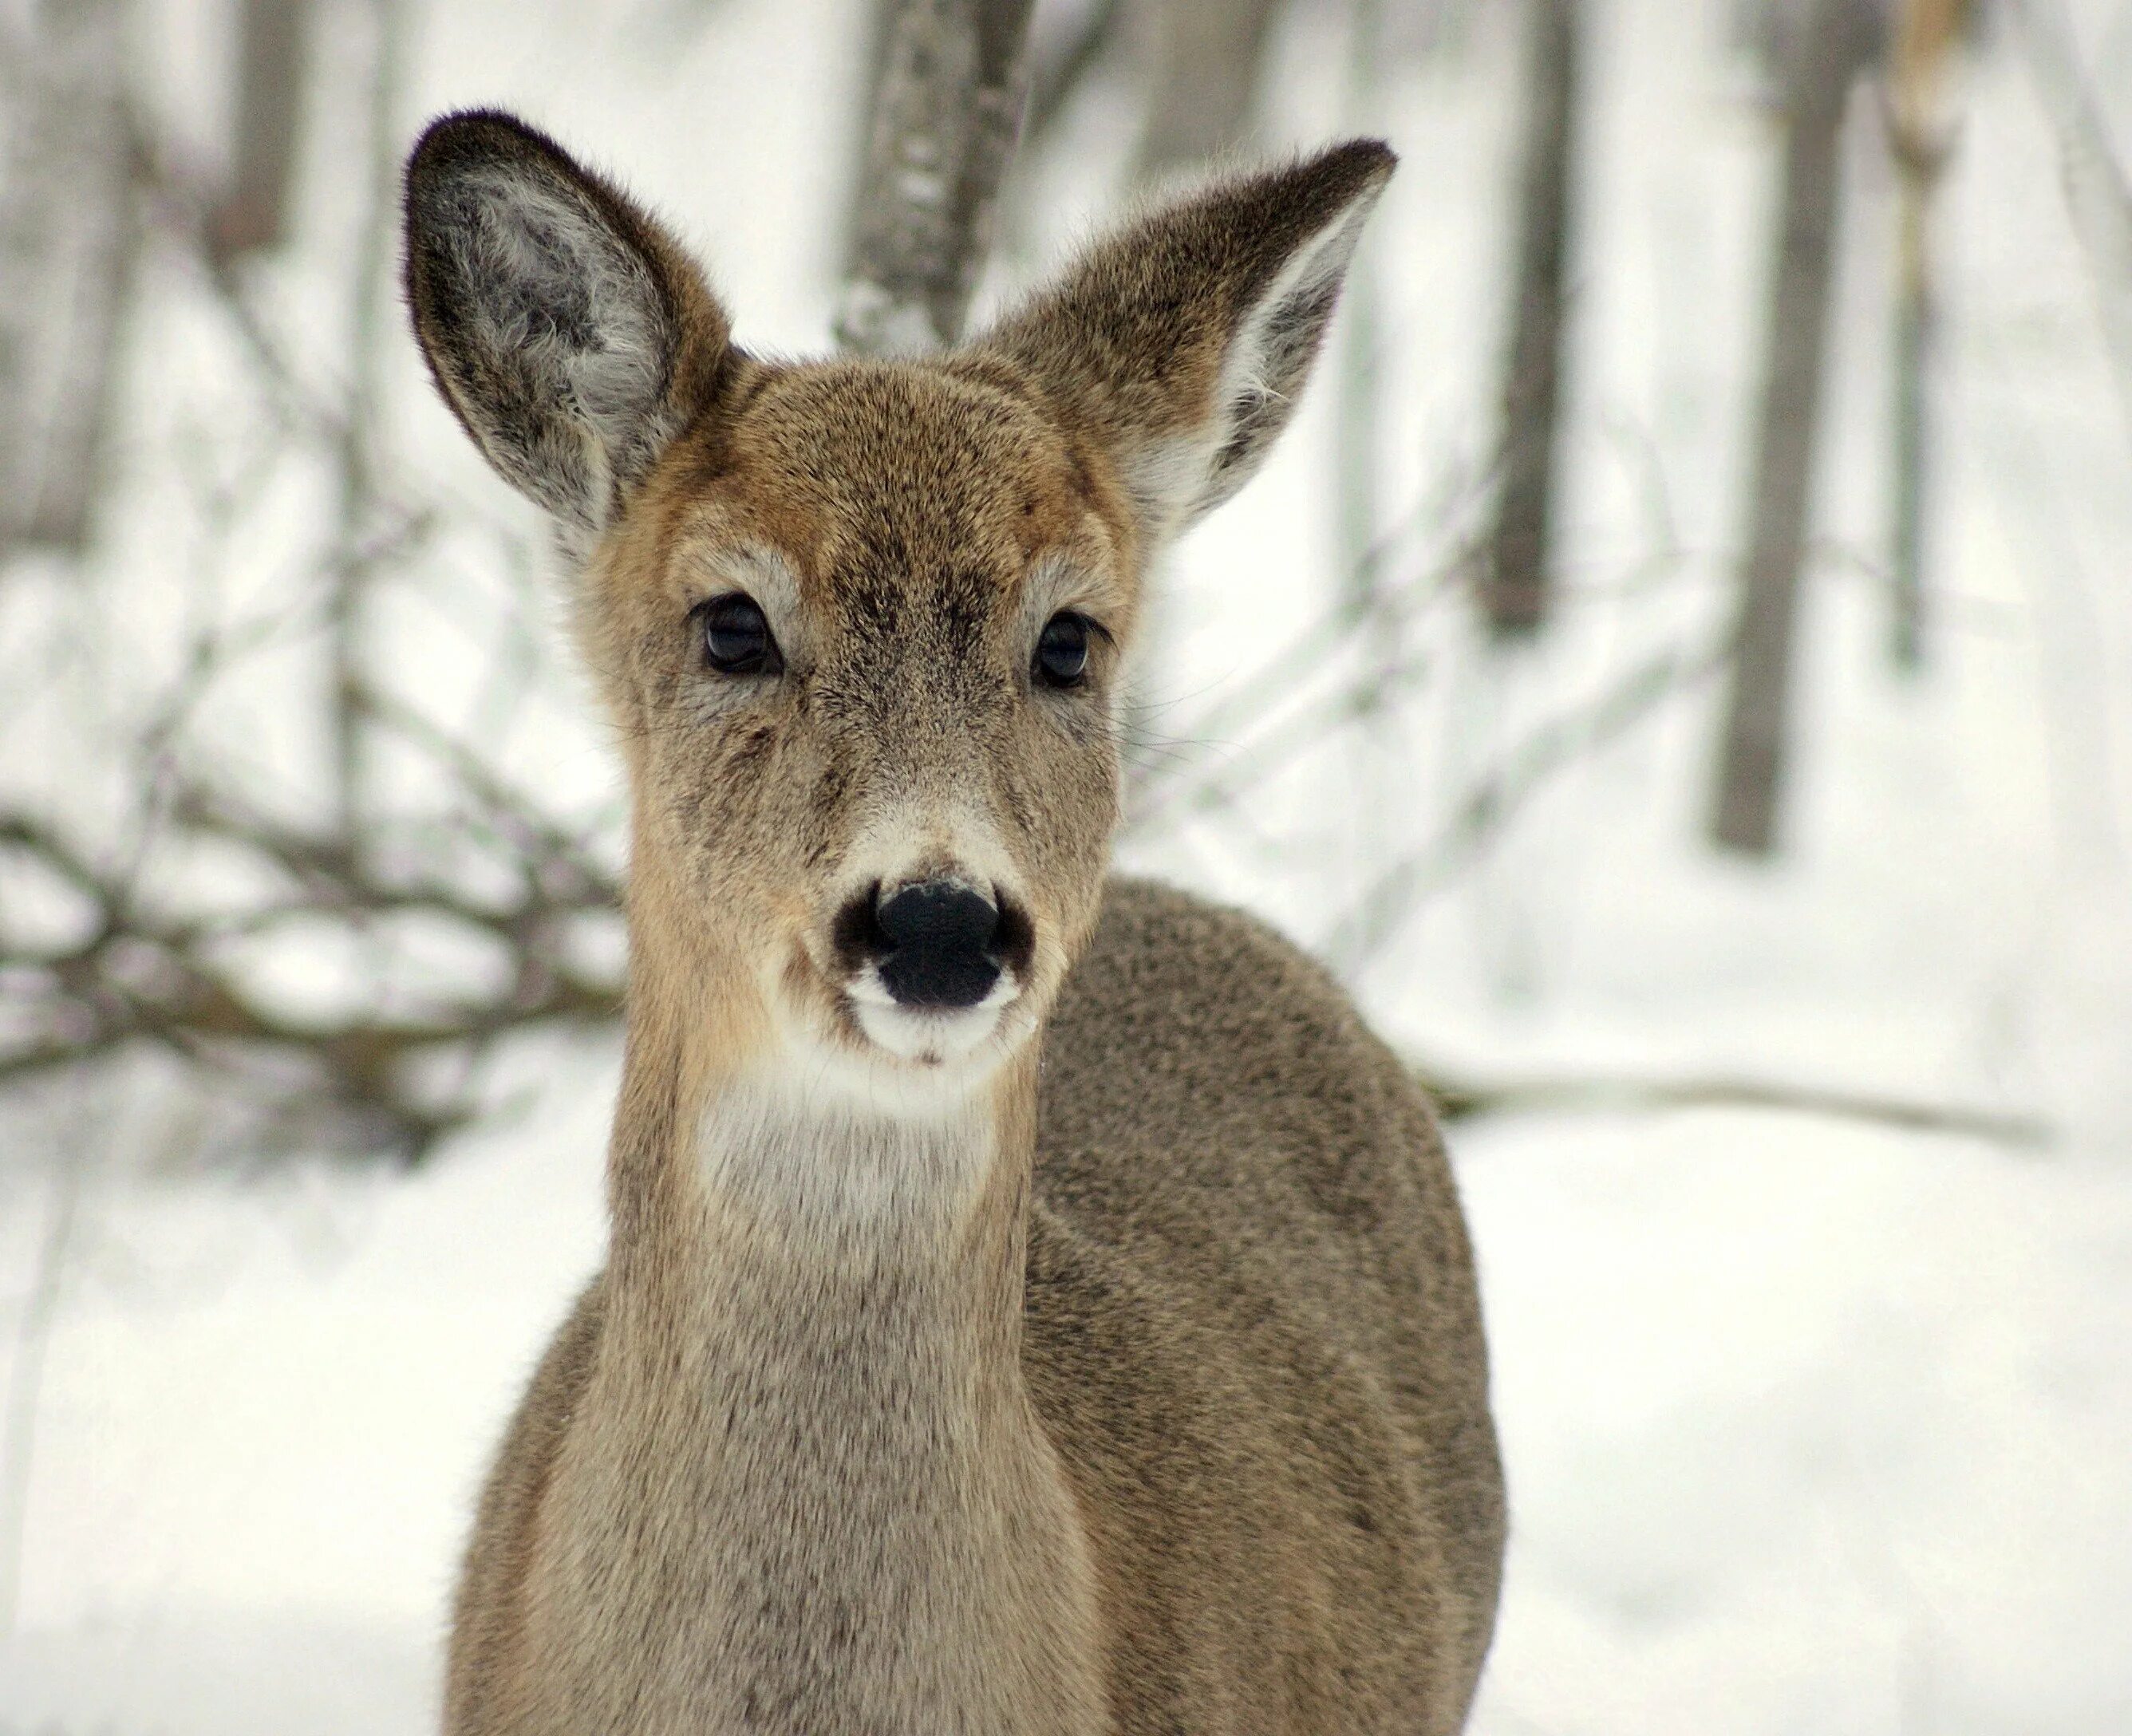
<point x="1120" y="1370"/>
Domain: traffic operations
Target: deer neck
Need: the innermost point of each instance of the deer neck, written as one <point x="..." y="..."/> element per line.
<point x="811" y="1370"/>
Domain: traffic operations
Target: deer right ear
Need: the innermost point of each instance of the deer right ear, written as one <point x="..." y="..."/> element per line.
<point x="571" y="336"/>
<point x="1183" y="344"/>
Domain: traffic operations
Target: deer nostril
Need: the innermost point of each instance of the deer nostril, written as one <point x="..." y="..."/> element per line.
<point x="936" y="944"/>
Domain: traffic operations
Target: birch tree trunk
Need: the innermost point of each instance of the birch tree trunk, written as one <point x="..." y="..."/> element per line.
<point x="66" y="246"/>
<point x="1521" y="553"/>
<point x="1752" y="757"/>
<point x="946" y="111"/>
<point x="2098" y="193"/>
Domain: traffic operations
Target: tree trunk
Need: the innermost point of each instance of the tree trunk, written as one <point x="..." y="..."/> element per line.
<point x="67" y="236"/>
<point x="1359" y="431"/>
<point x="1206" y="55"/>
<point x="1751" y="762"/>
<point x="273" y="65"/>
<point x="375" y="287"/>
<point x="2098" y="193"/>
<point x="1515" y="591"/>
<point x="1924" y="45"/>
<point x="1915" y="317"/>
<point x="1060" y="66"/>
<point x="946" y="110"/>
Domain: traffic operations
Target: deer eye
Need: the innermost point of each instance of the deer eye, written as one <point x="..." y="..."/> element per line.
<point x="1062" y="650"/>
<point x="737" y="636"/>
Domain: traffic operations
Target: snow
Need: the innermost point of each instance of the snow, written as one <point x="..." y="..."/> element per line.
<point x="1824" y="1432"/>
<point x="1811" y="1425"/>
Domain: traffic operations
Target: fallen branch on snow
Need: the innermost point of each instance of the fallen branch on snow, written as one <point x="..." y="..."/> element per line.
<point x="1459" y="1096"/>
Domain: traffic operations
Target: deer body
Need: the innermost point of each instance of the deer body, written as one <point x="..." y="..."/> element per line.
<point x="1036" y="1305"/>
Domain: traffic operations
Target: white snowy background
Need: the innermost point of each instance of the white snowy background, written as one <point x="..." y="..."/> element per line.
<point x="1811" y="1425"/>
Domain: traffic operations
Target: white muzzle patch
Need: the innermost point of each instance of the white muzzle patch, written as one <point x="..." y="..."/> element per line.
<point x="928" y="1036"/>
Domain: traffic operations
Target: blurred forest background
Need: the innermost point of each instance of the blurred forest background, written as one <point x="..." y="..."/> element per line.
<point x="1678" y="671"/>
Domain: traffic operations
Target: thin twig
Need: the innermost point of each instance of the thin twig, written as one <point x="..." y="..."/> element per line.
<point x="26" y="1383"/>
<point x="1487" y="805"/>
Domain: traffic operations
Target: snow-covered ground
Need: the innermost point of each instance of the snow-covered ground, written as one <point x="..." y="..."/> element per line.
<point x="1811" y="1425"/>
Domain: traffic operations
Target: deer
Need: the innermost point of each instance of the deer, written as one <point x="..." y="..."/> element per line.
<point x="1035" y="1304"/>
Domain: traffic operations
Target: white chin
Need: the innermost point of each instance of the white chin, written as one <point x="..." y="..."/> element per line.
<point x="930" y="1037"/>
<point x="937" y="1036"/>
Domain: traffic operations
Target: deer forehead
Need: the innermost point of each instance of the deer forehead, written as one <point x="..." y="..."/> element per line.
<point x="883" y="490"/>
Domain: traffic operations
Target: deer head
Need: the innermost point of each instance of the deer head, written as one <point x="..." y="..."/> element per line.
<point x="860" y="623"/>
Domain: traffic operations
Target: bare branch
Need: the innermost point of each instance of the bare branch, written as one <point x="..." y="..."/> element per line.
<point x="1489" y="804"/>
<point x="18" y="1424"/>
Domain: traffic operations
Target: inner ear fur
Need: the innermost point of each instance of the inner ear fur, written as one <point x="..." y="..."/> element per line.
<point x="1182" y="342"/>
<point x="570" y="334"/>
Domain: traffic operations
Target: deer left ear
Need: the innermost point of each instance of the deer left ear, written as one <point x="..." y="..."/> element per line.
<point x="569" y="332"/>
<point x="1183" y="344"/>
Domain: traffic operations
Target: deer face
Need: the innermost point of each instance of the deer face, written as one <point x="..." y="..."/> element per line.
<point x="862" y="622"/>
<point x="865" y="631"/>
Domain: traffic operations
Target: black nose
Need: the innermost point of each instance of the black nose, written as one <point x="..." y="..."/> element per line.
<point x="936" y="944"/>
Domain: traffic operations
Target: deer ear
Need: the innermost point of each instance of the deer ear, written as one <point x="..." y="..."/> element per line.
<point x="1183" y="342"/>
<point x="568" y="333"/>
